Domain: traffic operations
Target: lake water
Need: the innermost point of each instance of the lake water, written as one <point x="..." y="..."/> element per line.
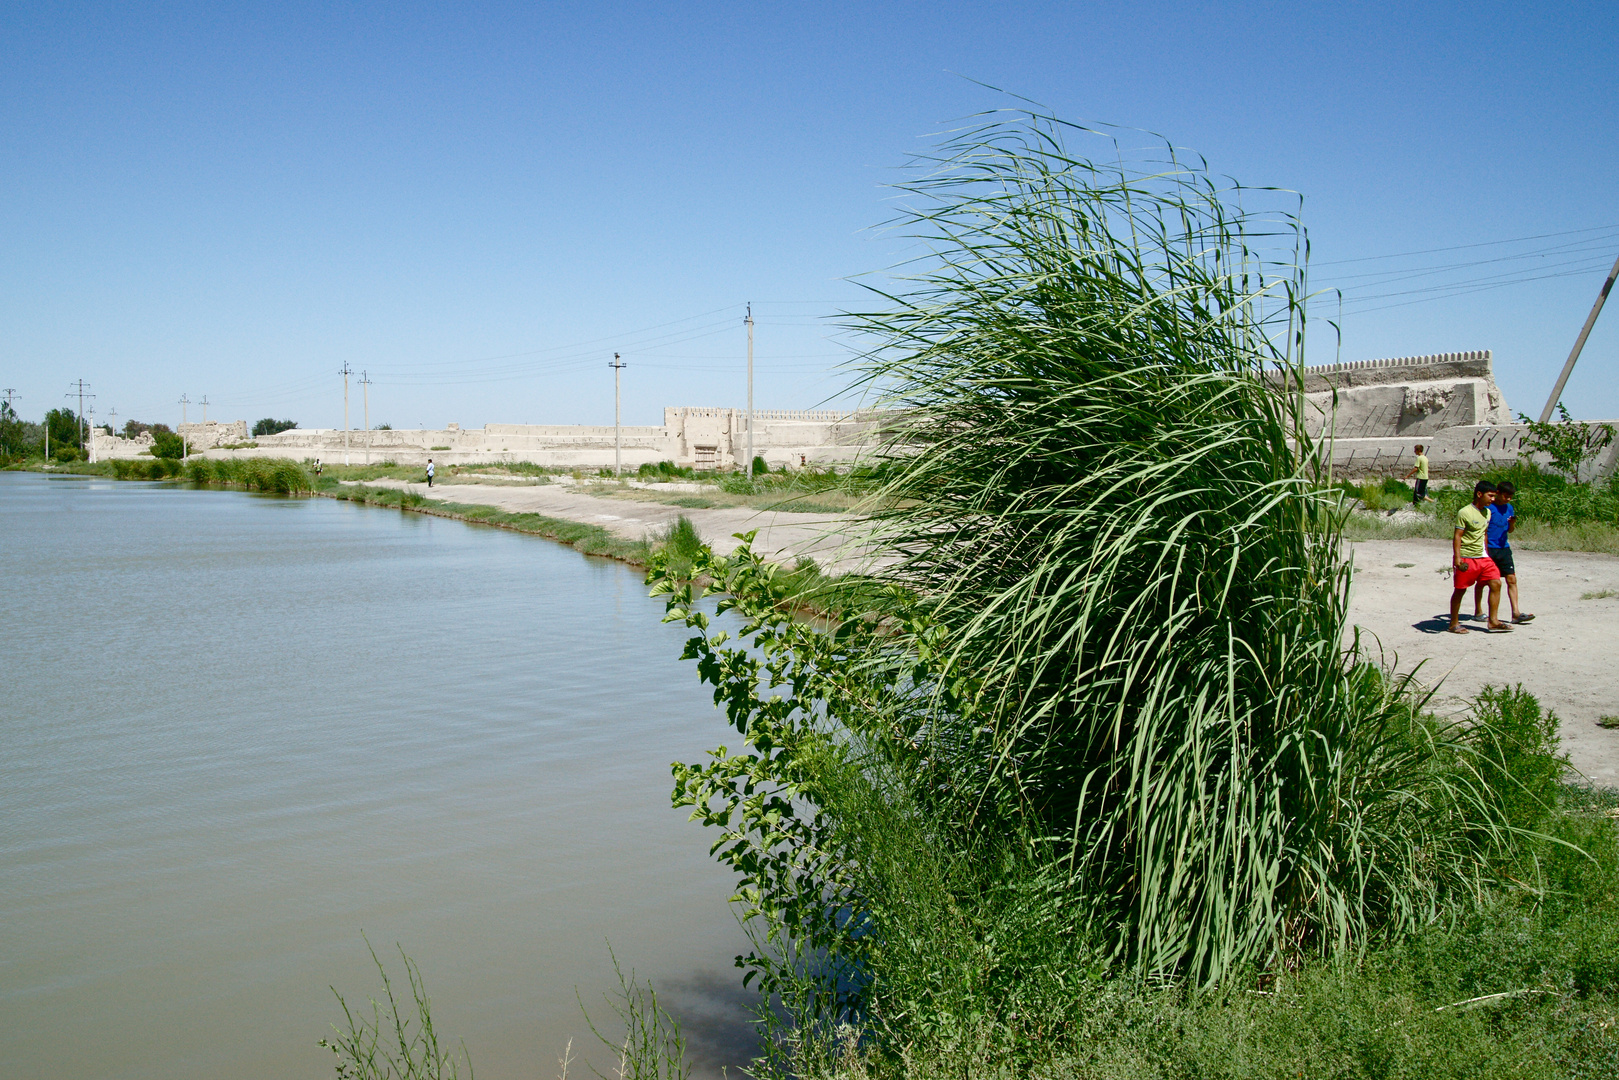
<point x="240" y="730"/>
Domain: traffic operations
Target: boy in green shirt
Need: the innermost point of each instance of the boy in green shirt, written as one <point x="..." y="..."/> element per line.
<point x="1420" y="471"/>
<point x="1471" y="563"/>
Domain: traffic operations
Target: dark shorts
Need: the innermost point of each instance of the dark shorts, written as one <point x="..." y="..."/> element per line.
<point x="1502" y="558"/>
<point x="1419" y="492"/>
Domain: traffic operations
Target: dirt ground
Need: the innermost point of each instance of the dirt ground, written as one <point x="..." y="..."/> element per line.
<point x="1568" y="657"/>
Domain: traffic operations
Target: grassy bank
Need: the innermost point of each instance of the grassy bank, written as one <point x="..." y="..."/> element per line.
<point x="589" y="539"/>
<point x="1554" y="514"/>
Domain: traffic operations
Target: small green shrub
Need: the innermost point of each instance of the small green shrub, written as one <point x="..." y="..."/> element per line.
<point x="760" y="466"/>
<point x="680" y="545"/>
<point x="1520" y="745"/>
<point x="1397" y="488"/>
<point x="65" y="454"/>
<point x="1569" y="443"/>
<point x="166" y="444"/>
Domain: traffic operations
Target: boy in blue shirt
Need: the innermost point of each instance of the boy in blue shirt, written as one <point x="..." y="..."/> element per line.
<point x="1503" y="519"/>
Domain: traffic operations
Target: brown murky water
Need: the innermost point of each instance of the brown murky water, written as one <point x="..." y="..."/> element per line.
<point x="238" y="731"/>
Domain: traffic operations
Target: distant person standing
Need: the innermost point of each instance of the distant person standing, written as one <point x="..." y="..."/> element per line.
<point x="318" y="466"/>
<point x="1503" y="519"/>
<point x="1419" y="493"/>
<point x="429" y="472"/>
<point x="1472" y="565"/>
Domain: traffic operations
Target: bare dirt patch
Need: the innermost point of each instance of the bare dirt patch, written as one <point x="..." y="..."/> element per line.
<point x="1568" y="657"/>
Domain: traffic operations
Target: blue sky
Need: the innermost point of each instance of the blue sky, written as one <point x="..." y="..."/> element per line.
<point x="478" y="204"/>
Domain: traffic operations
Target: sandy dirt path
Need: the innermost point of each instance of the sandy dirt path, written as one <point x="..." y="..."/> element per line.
<point x="1568" y="657"/>
<point x="782" y="536"/>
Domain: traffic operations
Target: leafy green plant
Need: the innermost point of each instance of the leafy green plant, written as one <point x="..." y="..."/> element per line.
<point x="1569" y="443"/>
<point x="166" y="444"/>
<point x="1520" y="748"/>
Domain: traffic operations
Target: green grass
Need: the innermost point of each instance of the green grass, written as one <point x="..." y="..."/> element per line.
<point x="1599" y="594"/>
<point x="279" y="475"/>
<point x="821" y="501"/>
<point x="589" y="539"/>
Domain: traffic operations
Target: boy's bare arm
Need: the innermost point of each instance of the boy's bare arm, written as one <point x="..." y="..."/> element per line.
<point x="1456" y="550"/>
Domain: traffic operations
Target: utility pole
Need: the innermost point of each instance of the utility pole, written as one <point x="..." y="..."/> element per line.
<point x="79" y="388"/>
<point x="1579" y="343"/>
<point x="749" y="321"/>
<point x="346" y="372"/>
<point x="112" y="413"/>
<point x="618" y="444"/>
<point x="205" y="408"/>
<point x="365" y="382"/>
<point x="185" y="451"/>
<point x="11" y="396"/>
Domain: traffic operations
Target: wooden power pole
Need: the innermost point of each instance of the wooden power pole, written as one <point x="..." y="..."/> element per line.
<point x="1579" y="343"/>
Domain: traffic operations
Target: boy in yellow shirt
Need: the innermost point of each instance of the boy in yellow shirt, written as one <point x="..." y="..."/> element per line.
<point x="1420" y="471"/>
<point x="1472" y="564"/>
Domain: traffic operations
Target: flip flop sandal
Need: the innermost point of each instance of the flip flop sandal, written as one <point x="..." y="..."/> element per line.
<point x="1523" y="618"/>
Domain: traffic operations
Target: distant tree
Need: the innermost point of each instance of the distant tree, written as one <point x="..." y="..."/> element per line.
<point x="65" y="429"/>
<point x="134" y="429"/>
<point x="383" y="427"/>
<point x="271" y="426"/>
<point x="13" y="432"/>
<point x="166" y="444"/>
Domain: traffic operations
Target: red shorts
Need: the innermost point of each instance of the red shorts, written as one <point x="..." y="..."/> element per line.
<point x="1479" y="571"/>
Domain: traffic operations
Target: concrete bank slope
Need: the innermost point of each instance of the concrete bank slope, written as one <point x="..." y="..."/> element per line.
<point x="832" y="540"/>
<point x="1568" y="657"/>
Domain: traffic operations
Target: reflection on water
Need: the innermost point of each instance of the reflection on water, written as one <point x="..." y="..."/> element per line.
<point x="240" y="730"/>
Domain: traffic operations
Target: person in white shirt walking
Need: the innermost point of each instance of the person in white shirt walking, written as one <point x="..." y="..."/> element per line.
<point x="429" y="472"/>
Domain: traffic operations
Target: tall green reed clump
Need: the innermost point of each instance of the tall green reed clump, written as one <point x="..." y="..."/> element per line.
<point x="1105" y="701"/>
<point x="1107" y="493"/>
<point x="281" y="475"/>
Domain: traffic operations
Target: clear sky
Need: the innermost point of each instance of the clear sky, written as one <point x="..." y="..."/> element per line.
<point x="478" y="204"/>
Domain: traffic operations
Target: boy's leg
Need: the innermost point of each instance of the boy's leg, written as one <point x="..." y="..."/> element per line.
<point x="1495" y="606"/>
<point x="1512" y="592"/>
<point x="1478" y="600"/>
<point x="1456" y="595"/>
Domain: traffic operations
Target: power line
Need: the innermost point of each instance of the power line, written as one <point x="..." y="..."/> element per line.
<point x="1463" y="247"/>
